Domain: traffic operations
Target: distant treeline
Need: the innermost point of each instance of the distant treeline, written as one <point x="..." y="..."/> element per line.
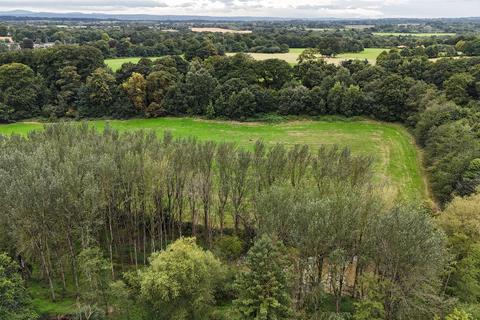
<point x="124" y="40"/>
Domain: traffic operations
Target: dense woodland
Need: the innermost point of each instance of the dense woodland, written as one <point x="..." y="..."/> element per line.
<point x="142" y="227"/>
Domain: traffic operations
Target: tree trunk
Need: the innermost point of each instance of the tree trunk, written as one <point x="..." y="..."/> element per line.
<point x="47" y="272"/>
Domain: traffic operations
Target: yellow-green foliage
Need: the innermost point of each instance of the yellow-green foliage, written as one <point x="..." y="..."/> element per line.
<point x="462" y="216"/>
<point x="180" y="281"/>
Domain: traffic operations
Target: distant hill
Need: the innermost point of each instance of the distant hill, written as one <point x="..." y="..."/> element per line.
<point x="142" y="17"/>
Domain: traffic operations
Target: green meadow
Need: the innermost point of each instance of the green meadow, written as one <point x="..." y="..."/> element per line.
<point x="116" y="63"/>
<point x="291" y="57"/>
<point x="393" y="148"/>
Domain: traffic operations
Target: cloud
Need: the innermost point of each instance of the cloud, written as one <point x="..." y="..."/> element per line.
<point x="278" y="8"/>
<point x="81" y="3"/>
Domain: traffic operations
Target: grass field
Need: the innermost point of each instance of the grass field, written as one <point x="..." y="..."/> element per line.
<point x="116" y="63"/>
<point x="396" y="34"/>
<point x="291" y="57"/>
<point x="396" y="156"/>
<point x="370" y="54"/>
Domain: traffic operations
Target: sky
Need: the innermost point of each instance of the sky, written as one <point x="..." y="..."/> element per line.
<point x="260" y="8"/>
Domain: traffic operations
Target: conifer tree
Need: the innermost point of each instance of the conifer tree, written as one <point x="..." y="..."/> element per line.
<point x="262" y="290"/>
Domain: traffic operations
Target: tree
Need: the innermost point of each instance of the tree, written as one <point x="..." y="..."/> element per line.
<point x="461" y="222"/>
<point x="470" y="179"/>
<point x="240" y="105"/>
<point x="458" y="87"/>
<point x="450" y="149"/>
<point x="336" y="99"/>
<point x="136" y="89"/>
<point x="293" y="100"/>
<point x="159" y="85"/>
<point x="390" y="96"/>
<point x="20" y="90"/>
<point x="198" y="89"/>
<point x="409" y="253"/>
<point x="201" y="49"/>
<point x="179" y="282"/>
<point x="370" y="306"/>
<point x="95" y="270"/>
<point x="274" y="73"/>
<point x="262" y="288"/>
<point x="98" y="94"/>
<point x="67" y="85"/>
<point x="14" y="300"/>
<point x="458" y="314"/>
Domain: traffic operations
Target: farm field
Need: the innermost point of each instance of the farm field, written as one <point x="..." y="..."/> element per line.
<point x="438" y="34"/>
<point x="291" y="57"/>
<point x="116" y="63"/>
<point x="392" y="147"/>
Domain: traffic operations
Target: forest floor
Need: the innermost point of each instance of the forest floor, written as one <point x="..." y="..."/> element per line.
<point x="397" y="158"/>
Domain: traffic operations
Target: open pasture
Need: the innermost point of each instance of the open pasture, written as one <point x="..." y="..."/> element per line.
<point x="392" y="147"/>
<point x="116" y="63"/>
<point x="291" y="57"/>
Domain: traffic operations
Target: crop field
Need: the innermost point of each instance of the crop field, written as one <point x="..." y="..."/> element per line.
<point x="291" y="57"/>
<point x="394" y="150"/>
<point x="116" y="63"/>
<point x="397" y="34"/>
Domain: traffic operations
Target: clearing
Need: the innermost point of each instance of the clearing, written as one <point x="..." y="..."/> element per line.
<point x="116" y="63"/>
<point x="291" y="57"/>
<point x="394" y="150"/>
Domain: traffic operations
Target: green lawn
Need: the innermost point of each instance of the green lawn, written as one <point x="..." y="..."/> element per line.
<point x="42" y="303"/>
<point x="116" y="63"/>
<point x="396" y="156"/>
<point x="291" y="57"/>
<point x="397" y="34"/>
<point x="368" y="53"/>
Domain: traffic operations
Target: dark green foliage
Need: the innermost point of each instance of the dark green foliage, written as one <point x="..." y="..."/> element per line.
<point x="228" y="247"/>
<point x="21" y="92"/>
<point x="262" y="288"/>
<point x="98" y="94"/>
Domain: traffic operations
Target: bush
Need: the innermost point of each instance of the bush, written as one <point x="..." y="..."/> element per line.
<point x="228" y="247"/>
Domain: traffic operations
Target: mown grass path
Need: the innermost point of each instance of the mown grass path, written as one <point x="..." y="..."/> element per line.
<point x="396" y="156"/>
